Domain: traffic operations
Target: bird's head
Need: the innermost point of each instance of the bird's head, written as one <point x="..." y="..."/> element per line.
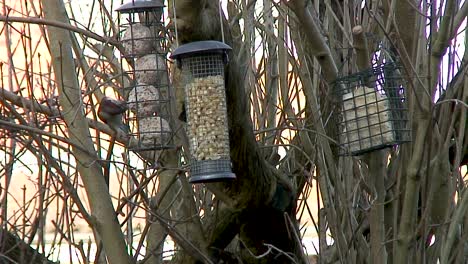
<point x="112" y="106"/>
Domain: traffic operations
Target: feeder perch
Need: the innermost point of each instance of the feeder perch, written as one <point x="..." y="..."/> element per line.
<point x="371" y="111"/>
<point x="145" y="74"/>
<point x="202" y="65"/>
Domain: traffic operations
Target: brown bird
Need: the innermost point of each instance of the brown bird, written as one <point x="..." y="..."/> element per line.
<point x="111" y="111"/>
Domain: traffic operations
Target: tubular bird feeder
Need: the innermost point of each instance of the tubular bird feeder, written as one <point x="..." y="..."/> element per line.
<point x="202" y="64"/>
<point x="145" y="73"/>
<point x="371" y="112"/>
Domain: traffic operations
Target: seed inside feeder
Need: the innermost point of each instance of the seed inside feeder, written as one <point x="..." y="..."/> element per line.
<point x="207" y="125"/>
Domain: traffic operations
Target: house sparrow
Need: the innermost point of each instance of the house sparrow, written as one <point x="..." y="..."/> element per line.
<point x="111" y="111"/>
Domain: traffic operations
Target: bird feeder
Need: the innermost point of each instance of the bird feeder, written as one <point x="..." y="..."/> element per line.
<point x="202" y="64"/>
<point x="145" y="73"/>
<point x="372" y="113"/>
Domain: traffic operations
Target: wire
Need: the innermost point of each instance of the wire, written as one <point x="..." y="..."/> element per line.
<point x="175" y="23"/>
<point x="221" y="21"/>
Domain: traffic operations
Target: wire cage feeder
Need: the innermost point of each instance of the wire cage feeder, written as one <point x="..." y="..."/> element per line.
<point x="202" y="64"/>
<point x="372" y="113"/>
<point x="145" y="74"/>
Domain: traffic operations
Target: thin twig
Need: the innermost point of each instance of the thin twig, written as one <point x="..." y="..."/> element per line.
<point x="42" y="21"/>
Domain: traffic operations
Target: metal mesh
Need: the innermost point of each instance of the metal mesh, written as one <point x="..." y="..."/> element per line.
<point x="203" y="65"/>
<point x="210" y="170"/>
<point x="371" y="111"/>
<point x="207" y="126"/>
<point x="146" y="79"/>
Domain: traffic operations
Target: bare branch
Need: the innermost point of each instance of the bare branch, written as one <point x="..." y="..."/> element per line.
<point x="54" y="23"/>
<point x="320" y="49"/>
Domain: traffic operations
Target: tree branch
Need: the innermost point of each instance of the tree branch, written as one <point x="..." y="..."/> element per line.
<point x="58" y="24"/>
<point x="460" y="212"/>
<point x="18" y="251"/>
<point x="440" y="44"/>
<point x="317" y="41"/>
<point x="363" y="60"/>
<point x="106" y="223"/>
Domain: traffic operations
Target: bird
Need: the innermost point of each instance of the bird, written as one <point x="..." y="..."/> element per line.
<point x="111" y="112"/>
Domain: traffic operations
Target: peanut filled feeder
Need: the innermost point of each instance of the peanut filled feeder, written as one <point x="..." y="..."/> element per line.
<point x="371" y="113"/>
<point x="202" y="64"/>
<point x="145" y="75"/>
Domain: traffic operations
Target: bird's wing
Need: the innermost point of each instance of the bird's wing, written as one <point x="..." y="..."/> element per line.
<point x="103" y="116"/>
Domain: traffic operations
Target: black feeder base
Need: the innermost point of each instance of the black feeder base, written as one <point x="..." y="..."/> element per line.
<point x="205" y="171"/>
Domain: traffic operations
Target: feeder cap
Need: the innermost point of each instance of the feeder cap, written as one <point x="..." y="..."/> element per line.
<point x="140" y="6"/>
<point x="199" y="47"/>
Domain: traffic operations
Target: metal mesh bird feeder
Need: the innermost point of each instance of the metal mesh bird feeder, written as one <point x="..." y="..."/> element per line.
<point x="372" y="112"/>
<point x="202" y="65"/>
<point x="145" y="73"/>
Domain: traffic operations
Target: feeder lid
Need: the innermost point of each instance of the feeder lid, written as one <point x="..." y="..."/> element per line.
<point x="199" y="47"/>
<point x="140" y="6"/>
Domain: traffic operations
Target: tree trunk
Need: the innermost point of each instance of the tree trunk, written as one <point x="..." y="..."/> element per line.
<point x="105" y="219"/>
<point x="13" y="249"/>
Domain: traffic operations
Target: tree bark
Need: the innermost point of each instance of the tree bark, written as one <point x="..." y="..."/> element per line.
<point x="257" y="183"/>
<point x="105" y="223"/>
<point x="18" y="251"/>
